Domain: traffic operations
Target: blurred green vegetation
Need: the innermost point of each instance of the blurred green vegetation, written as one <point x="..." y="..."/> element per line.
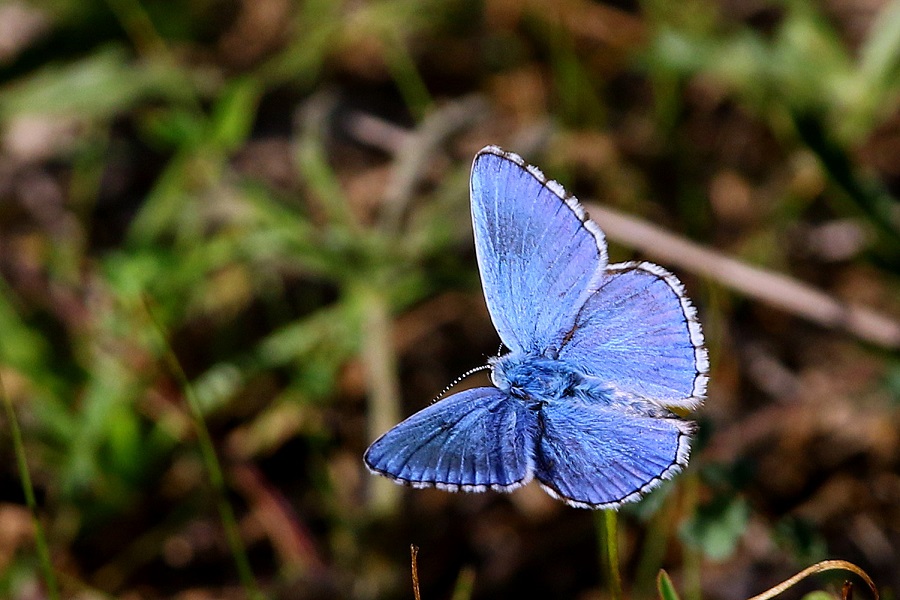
<point x="284" y="183"/>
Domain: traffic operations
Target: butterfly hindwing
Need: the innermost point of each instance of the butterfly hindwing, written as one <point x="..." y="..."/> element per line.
<point x="640" y="333"/>
<point x="537" y="252"/>
<point x="472" y="441"/>
<point x="593" y="456"/>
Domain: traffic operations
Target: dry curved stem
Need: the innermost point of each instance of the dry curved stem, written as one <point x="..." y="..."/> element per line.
<point x="770" y="287"/>
<point x="414" y="554"/>
<point x="825" y="565"/>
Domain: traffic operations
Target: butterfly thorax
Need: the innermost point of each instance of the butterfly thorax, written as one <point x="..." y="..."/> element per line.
<point x="535" y="378"/>
<point x="538" y="380"/>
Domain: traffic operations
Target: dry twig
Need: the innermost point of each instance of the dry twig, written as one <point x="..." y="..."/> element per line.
<point x="773" y="288"/>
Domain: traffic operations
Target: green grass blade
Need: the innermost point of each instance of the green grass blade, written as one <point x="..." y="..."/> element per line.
<point x="39" y="539"/>
<point x="211" y="461"/>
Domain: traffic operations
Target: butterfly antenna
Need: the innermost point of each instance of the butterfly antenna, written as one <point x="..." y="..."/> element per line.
<point x="458" y="379"/>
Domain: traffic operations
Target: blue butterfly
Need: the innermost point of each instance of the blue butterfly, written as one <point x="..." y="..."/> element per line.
<point x="598" y="356"/>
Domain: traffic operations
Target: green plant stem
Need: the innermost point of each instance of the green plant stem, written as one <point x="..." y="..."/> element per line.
<point x="381" y="380"/>
<point x="148" y="42"/>
<point x="608" y="539"/>
<point x="465" y="584"/>
<point x="138" y="25"/>
<point x="40" y="541"/>
<point x="213" y="467"/>
<point x="406" y="75"/>
<point x="692" y="555"/>
<point x="659" y="533"/>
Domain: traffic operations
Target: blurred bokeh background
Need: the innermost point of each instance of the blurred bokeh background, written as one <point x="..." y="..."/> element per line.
<point x="256" y="212"/>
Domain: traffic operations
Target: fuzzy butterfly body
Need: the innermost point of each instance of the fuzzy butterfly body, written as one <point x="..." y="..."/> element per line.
<point x="598" y="356"/>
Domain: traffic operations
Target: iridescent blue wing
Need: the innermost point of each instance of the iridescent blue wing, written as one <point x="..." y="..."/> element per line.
<point x="639" y="334"/>
<point x="538" y="254"/>
<point x="593" y="456"/>
<point x="472" y="441"/>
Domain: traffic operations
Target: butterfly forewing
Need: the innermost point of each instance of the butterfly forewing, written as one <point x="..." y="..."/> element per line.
<point x="537" y="254"/>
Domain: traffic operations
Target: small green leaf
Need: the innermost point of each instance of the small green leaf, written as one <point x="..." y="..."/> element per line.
<point x="664" y="586"/>
<point x="99" y="86"/>
<point x="717" y="527"/>
<point x="818" y="595"/>
<point x="235" y="112"/>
